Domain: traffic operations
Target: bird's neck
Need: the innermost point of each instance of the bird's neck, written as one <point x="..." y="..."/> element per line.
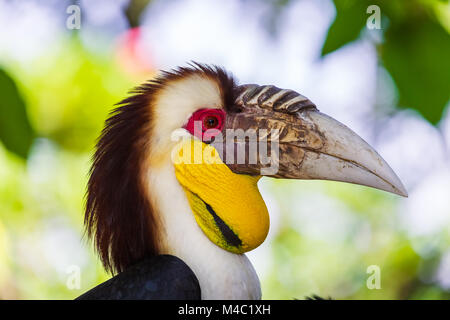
<point x="221" y="274"/>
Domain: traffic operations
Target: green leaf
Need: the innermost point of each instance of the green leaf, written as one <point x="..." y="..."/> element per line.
<point x="16" y="133"/>
<point x="350" y="19"/>
<point x="417" y="56"/>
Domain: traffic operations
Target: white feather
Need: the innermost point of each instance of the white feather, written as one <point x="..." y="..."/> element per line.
<point x="221" y="274"/>
<point x="174" y="105"/>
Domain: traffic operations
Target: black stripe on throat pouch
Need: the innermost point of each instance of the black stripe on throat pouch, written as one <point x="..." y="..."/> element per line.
<point x="230" y="237"/>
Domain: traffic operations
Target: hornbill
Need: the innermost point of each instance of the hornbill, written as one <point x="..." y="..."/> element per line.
<point x="175" y="227"/>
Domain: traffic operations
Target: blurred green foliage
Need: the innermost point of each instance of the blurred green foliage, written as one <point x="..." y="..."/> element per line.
<point x="303" y="264"/>
<point x="346" y="26"/>
<point x="66" y="96"/>
<point x="15" y="129"/>
<point x="415" y="48"/>
<point x="69" y="107"/>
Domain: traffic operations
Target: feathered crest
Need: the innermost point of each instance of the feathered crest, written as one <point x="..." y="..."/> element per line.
<point x="118" y="215"/>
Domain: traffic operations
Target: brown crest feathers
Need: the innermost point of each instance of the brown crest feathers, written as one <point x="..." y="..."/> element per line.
<point x="118" y="215"/>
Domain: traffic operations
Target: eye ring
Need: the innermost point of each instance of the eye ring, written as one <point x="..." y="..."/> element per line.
<point x="205" y="124"/>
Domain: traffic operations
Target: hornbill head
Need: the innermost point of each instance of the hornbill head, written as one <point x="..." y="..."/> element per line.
<point x="192" y="138"/>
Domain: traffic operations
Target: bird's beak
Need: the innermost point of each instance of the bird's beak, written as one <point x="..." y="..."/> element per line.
<point x="301" y="142"/>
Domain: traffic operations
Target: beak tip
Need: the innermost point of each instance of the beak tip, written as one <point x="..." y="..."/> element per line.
<point x="403" y="193"/>
<point x="398" y="188"/>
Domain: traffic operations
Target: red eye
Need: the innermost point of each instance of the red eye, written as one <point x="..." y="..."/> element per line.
<point x="206" y="123"/>
<point x="210" y="122"/>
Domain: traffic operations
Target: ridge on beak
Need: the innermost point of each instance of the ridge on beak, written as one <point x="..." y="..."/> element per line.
<point x="303" y="143"/>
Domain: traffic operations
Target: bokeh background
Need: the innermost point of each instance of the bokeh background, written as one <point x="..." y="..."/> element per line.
<point x="390" y="85"/>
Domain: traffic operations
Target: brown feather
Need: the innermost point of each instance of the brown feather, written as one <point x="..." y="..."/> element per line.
<point x="119" y="216"/>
